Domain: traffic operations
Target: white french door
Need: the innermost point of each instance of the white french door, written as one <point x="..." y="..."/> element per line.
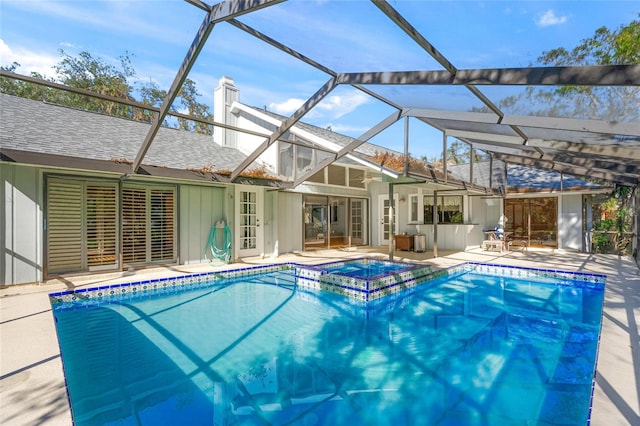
<point x="249" y="227"/>
<point x="384" y="219"/>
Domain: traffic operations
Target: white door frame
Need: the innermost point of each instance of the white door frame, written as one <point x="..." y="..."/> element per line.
<point x="249" y="221"/>
<point x="381" y="216"/>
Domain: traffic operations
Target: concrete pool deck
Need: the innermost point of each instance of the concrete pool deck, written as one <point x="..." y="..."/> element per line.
<point x="32" y="387"/>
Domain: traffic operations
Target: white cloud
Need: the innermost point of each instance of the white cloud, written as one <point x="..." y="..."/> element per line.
<point x="339" y="105"/>
<point x="549" y="18"/>
<point x="29" y="61"/>
<point x="331" y="107"/>
<point x="287" y="107"/>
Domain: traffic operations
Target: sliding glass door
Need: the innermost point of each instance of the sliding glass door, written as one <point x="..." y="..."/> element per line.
<point x="315" y="222"/>
<point x="334" y="222"/>
<point x="534" y="220"/>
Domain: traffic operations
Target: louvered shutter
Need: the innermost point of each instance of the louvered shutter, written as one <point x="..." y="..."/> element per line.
<point x="162" y="203"/>
<point x="64" y="225"/>
<point x="148" y="224"/>
<point x="134" y="225"/>
<point x="101" y="224"/>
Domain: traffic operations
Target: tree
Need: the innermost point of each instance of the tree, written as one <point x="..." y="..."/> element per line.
<point x="85" y="71"/>
<point x="187" y="98"/>
<point x="25" y="89"/>
<point x="605" y="47"/>
<point x="93" y="74"/>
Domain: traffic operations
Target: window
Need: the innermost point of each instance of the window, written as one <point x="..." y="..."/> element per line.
<point x="413" y="208"/>
<point x="449" y="209"/>
<point x="337" y="175"/>
<point x="101" y="231"/>
<point x="285" y="161"/>
<point x="148" y="224"/>
<point x="294" y="160"/>
<point x="304" y="160"/>
<point x="317" y="177"/>
<point x="356" y="178"/>
<point x="81" y="225"/>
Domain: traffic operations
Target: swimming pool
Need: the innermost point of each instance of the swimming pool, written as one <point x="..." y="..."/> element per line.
<point x="476" y="344"/>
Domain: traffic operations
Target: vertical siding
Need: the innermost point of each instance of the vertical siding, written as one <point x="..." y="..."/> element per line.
<point x="270" y="222"/>
<point x="200" y="208"/>
<point x="481" y="210"/>
<point x="289" y="222"/>
<point x="21" y="225"/>
<point x="570" y="222"/>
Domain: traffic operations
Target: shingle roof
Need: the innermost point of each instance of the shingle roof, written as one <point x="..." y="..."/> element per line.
<point x="35" y="126"/>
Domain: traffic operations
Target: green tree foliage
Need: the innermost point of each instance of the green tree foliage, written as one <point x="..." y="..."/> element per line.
<point x="605" y="47"/>
<point x="25" y="89"/>
<point x="87" y="72"/>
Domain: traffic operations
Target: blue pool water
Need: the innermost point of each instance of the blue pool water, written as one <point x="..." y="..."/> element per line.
<point x="365" y="268"/>
<point x="473" y="349"/>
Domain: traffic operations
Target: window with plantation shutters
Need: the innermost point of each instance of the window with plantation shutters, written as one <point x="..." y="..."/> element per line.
<point x="148" y="224"/>
<point x="64" y="226"/>
<point x="162" y="224"/>
<point x="101" y="224"/>
<point x="81" y="231"/>
<point x="134" y="225"/>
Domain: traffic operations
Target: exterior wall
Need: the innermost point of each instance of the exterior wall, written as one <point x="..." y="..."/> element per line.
<point x="248" y="143"/>
<point x="485" y="213"/>
<point x="271" y="225"/>
<point x="200" y="208"/>
<point x="453" y="236"/>
<point x="21" y="229"/>
<point x="570" y="222"/>
<point x="289" y="219"/>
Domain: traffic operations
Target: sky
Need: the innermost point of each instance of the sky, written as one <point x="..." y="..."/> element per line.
<point x="345" y="36"/>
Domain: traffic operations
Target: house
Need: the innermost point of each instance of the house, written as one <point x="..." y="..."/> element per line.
<point x="466" y="204"/>
<point x="73" y="205"/>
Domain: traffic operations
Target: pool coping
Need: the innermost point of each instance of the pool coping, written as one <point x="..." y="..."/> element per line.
<point x="312" y="277"/>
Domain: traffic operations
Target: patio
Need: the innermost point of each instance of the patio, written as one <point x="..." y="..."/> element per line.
<point x="32" y="382"/>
